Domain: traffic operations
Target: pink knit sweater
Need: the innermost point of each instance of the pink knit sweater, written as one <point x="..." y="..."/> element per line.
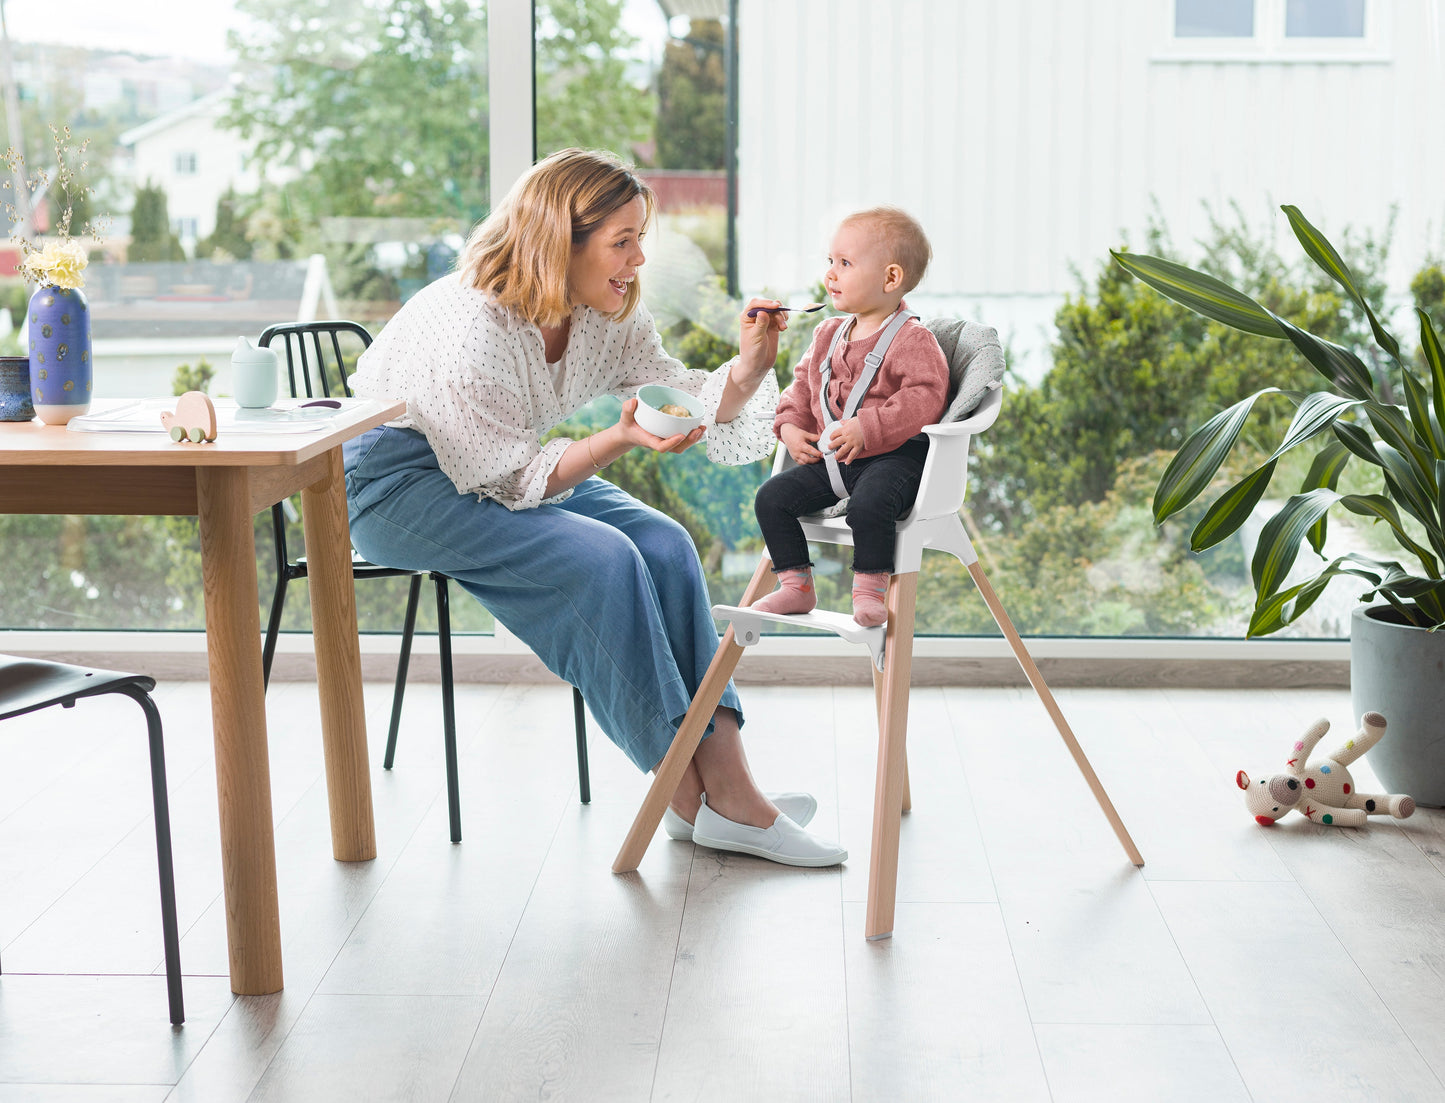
<point x="909" y="391"/>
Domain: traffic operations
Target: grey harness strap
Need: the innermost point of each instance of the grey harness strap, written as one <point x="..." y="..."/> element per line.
<point x="871" y="364"/>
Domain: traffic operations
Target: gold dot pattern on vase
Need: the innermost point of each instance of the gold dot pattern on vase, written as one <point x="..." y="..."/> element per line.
<point x="87" y="384"/>
<point x="43" y="374"/>
<point x="65" y="319"/>
<point x="61" y="351"/>
<point x="69" y="385"/>
<point x="46" y="331"/>
<point x="84" y="355"/>
<point x="35" y="317"/>
<point x="40" y="356"/>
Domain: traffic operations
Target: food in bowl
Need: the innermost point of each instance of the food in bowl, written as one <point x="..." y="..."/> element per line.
<point x="666" y="411"/>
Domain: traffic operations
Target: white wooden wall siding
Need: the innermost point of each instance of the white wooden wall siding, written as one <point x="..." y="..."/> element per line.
<point x="1030" y="135"/>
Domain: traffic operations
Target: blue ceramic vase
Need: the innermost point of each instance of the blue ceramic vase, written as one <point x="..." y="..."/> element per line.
<point x="60" y="380"/>
<point x="15" y="402"/>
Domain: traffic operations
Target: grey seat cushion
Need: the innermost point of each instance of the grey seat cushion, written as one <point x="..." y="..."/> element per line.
<point x="975" y="359"/>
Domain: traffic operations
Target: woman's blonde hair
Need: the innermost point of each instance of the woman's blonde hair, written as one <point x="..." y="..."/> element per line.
<point x="520" y="252"/>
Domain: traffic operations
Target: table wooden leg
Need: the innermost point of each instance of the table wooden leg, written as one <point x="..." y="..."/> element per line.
<point x="892" y="769"/>
<point x="338" y="664"/>
<point x="238" y="711"/>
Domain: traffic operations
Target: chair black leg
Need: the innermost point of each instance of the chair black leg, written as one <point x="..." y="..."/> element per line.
<point x="408" y="629"/>
<point x="169" y="925"/>
<point x="579" y="717"/>
<point x="449" y="715"/>
<point x="283" y="576"/>
<point x="273" y="627"/>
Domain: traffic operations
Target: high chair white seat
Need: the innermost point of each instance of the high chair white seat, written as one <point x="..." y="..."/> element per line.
<point x="976" y="368"/>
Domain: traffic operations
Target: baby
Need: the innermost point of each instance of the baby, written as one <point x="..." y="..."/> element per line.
<point x="853" y="416"/>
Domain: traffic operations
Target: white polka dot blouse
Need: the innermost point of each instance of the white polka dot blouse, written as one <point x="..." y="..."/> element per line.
<point x="478" y="386"/>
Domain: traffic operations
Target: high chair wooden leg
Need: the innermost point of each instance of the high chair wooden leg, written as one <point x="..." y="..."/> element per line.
<point x="684" y="744"/>
<point x="892" y="773"/>
<point x="878" y="707"/>
<point x="1055" y="713"/>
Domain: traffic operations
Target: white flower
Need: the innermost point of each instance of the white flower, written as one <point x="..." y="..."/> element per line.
<point x="59" y="263"/>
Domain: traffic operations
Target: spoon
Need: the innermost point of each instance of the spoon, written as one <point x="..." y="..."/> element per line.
<point x="806" y="308"/>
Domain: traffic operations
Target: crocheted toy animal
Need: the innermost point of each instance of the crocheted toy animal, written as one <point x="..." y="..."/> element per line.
<point x="1324" y="790"/>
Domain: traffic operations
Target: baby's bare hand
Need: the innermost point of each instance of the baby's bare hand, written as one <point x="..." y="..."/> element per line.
<point x="800" y="445"/>
<point x="847" y="440"/>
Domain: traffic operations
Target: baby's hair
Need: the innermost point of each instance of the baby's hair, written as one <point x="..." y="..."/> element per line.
<point x="904" y="238"/>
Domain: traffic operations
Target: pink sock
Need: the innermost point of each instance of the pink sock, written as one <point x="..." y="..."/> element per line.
<point x="794" y="594"/>
<point x="868" y="594"/>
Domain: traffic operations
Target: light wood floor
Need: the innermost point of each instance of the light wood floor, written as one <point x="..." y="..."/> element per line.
<point x="1030" y="962"/>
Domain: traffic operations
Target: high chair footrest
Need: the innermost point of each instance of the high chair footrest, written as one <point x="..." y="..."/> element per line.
<point x="748" y="627"/>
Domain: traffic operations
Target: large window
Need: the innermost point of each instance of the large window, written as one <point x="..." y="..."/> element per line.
<point x="261" y="160"/>
<point x="360" y="134"/>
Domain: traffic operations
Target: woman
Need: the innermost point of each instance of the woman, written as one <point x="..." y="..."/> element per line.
<point x="544" y="315"/>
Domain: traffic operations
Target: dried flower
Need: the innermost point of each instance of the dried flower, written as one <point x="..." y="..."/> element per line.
<point x="62" y="262"/>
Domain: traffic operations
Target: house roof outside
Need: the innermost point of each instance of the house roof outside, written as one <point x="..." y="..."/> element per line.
<point x="207" y="103"/>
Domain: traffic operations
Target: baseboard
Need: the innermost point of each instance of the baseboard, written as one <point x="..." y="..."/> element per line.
<point x="776" y="660"/>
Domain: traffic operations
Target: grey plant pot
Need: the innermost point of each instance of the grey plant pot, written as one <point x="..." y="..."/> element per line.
<point x="1399" y="670"/>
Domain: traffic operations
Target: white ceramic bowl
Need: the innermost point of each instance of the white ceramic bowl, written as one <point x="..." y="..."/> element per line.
<point x="659" y="424"/>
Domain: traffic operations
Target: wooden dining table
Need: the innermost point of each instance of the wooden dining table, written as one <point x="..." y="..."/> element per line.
<point x="54" y="470"/>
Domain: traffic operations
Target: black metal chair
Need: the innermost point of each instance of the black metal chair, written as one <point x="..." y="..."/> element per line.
<point x="317" y="346"/>
<point x="27" y="685"/>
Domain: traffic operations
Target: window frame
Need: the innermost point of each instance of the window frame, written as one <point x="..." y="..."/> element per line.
<point x="1270" y="44"/>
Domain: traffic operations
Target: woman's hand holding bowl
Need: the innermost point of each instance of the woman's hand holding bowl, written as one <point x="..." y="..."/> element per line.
<point x="639" y="435"/>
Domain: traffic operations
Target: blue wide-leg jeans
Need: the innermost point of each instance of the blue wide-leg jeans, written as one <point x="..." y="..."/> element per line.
<point x="607" y="591"/>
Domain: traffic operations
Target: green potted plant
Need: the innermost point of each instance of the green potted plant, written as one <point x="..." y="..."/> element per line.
<point x="1396" y="655"/>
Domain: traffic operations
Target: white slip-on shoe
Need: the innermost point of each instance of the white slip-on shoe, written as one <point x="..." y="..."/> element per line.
<point x="798" y="807"/>
<point x="785" y="842"/>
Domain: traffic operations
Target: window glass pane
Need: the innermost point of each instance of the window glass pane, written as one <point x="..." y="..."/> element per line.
<point x="1213" y="18"/>
<point x="325" y="151"/>
<point x="1325" y="18"/>
<point x="654" y="90"/>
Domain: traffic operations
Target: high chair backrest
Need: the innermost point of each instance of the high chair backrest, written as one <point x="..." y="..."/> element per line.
<point x="975" y="368"/>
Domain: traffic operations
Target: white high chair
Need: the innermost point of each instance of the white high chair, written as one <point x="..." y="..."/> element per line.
<point x="976" y="366"/>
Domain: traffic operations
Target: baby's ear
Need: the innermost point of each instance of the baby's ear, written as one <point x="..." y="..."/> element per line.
<point x="892" y="277"/>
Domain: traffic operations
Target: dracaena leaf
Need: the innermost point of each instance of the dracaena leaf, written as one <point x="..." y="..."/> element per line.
<point x="1324" y="470"/>
<point x="1324" y="255"/>
<point x="1402" y="480"/>
<point x="1335" y="362"/>
<point x="1417" y="402"/>
<point x="1194" y="465"/>
<point x="1357" y="441"/>
<point x="1385" y="577"/>
<point x="1381" y="508"/>
<point x="1200" y="293"/>
<point x="1316" y="413"/>
<point x="1395" y="430"/>
<point x="1231" y="509"/>
<point x="1280" y="538"/>
<point x="1434" y="356"/>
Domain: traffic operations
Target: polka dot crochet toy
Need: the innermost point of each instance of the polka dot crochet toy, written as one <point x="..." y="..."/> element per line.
<point x="1323" y="790"/>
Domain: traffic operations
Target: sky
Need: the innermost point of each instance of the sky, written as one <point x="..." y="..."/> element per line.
<point x="200" y="35"/>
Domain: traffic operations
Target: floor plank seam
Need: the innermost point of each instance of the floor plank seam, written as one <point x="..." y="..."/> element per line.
<point x="672" y="973"/>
